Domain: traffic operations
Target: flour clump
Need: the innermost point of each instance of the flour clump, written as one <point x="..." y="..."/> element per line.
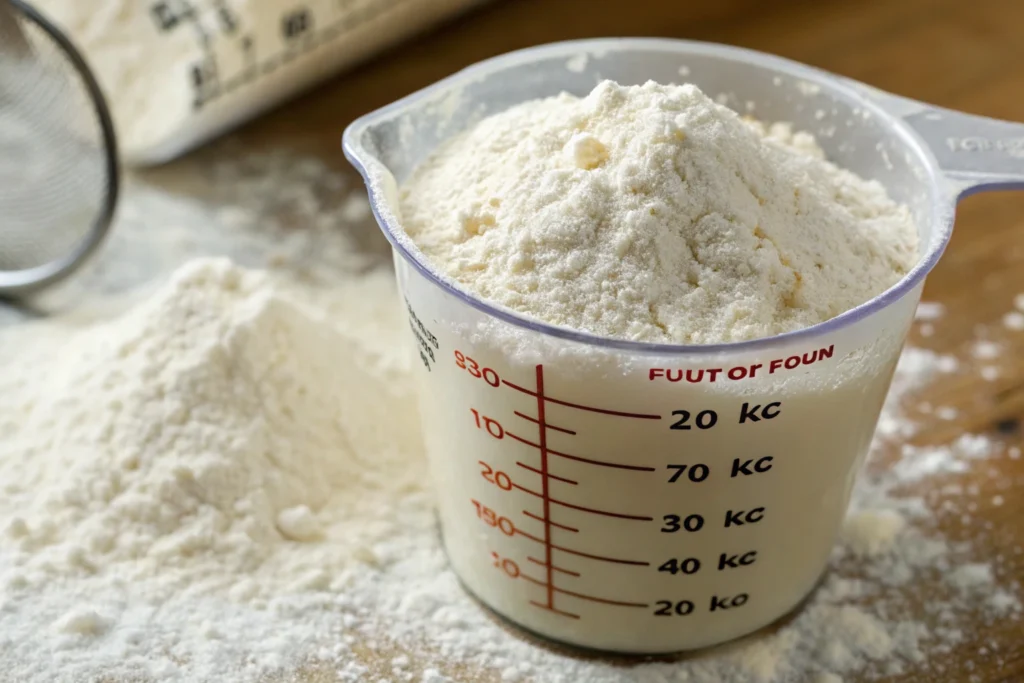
<point x="651" y="213"/>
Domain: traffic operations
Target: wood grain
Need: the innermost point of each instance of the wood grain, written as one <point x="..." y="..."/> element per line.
<point x="966" y="55"/>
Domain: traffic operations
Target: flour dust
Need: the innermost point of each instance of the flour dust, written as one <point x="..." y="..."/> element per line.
<point x="225" y="482"/>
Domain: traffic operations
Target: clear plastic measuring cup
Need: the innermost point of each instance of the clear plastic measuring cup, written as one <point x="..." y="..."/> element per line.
<point x="648" y="498"/>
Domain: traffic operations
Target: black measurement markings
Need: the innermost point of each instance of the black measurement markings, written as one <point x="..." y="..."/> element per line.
<point x="300" y="34"/>
<point x="169" y="14"/>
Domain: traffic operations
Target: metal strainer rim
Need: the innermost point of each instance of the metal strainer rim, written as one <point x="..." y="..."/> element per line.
<point x="16" y="283"/>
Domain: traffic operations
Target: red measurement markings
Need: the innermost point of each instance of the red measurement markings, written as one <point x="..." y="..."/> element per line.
<point x="553" y="567"/>
<point x="584" y="596"/>
<point x="552" y="609"/>
<point x="606" y="513"/>
<point x="548" y="499"/>
<point x="536" y="581"/>
<point x="522" y="533"/>
<point x="530" y="491"/>
<point x="590" y="556"/>
<point x="551" y="522"/>
<point x="600" y="463"/>
<point x="545" y="495"/>
<point x="605" y="601"/>
<point x="601" y="558"/>
<point x="541" y="398"/>
<point x="542" y="429"/>
<point x="553" y="476"/>
<point x="536" y="421"/>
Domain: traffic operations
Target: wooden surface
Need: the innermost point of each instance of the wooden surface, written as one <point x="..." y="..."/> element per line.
<point x="965" y="55"/>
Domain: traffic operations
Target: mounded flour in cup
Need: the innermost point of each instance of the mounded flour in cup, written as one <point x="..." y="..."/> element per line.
<point x="654" y="214"/>
<point x="651" y="213"/>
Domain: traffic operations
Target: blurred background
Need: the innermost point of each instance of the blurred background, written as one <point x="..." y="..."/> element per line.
<point x="962" y="55"/>
<point x="363" y="54"/>
<point x="276" y="191"/>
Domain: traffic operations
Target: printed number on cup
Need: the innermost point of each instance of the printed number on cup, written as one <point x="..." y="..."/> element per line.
<point x="674" y="523"/>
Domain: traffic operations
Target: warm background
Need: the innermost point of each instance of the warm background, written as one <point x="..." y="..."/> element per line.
<point x="961" y="54"/>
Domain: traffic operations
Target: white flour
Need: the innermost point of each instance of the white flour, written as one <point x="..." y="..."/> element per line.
<point x="649" y="212"/>
<point x="652" y="213"/>
<point x="206" y="423"/>
<point x="190" y="452"/>
<point x="142" y="541"/>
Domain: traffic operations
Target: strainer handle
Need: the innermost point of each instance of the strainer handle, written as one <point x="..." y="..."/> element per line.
<point x="975" y="152"/>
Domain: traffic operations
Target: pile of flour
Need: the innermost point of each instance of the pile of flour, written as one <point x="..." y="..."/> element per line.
<point x="652" y="213"/>
<point x="182" y="443"/>
<point x="226" y="481"/>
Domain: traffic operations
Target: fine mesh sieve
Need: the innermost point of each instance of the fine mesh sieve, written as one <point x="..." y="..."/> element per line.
<point x="58" y="155"/>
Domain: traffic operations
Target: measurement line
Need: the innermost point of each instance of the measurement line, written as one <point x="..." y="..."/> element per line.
<point x="541" y="519"/>
<point x="552" y="609"/>
<point x="605" y="601"/>
<point x="534" y="580"/>
<point x="529" y="536"/>
<point x="521" y="439"/>
<point x="536" y="421"/>
<point x="518" y="388"/>
<point x="584" y="596"/>
<point x="568" y="404"/>
<point x="542" y="429"/>
<point x="639" y="416"/>
<point x="602" y="558"/>
<point x="606" y="513"/>
<point x="600" y="463"/>
<point x="530" y="491"/>
<point x="553" y="567"/>
<point x="553" y="476"/>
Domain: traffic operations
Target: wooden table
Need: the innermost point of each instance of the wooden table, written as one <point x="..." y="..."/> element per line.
<point x="965" y="55"/>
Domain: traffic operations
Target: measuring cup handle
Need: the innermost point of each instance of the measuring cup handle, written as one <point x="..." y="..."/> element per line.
<point x="975" y="152"/>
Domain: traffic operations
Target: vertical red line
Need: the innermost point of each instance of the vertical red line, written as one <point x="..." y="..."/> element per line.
<point x="543" y="442"/>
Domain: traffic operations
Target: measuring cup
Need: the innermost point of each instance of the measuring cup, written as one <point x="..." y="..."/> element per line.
<point x="650" y="498"/>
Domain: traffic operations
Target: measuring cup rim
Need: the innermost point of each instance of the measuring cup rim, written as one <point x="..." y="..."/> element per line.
<point x="941" y="203"/>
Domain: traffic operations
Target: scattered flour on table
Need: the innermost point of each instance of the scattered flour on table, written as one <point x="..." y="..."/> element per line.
<point x="183" y="464"/>
<point x="226" y="482"/>
<point x="652" y="213"/>
<point x="929" y="311"/>
<point x="1014" y="320"/>
<point x="986" y="350"/>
